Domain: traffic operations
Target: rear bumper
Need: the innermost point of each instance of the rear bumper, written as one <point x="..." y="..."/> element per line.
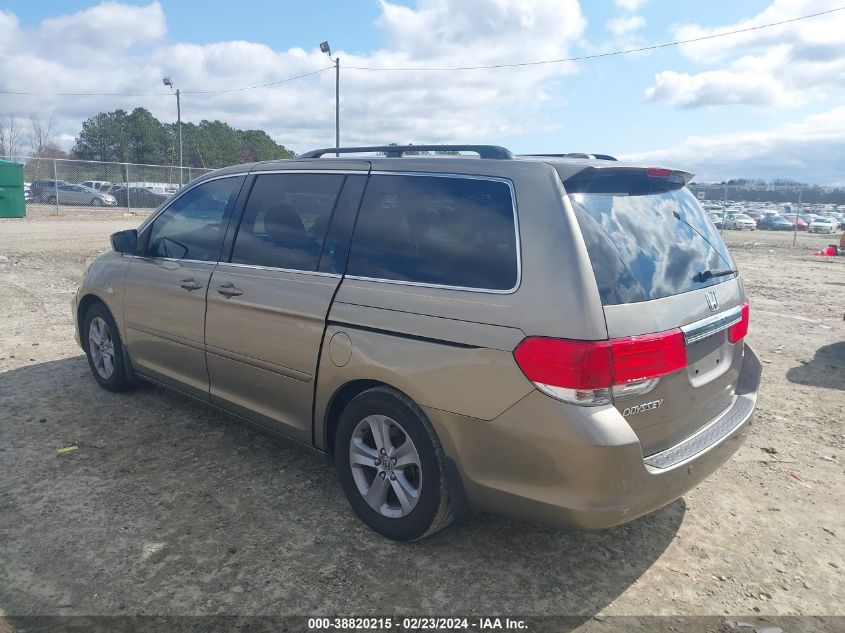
<point x="552" y="463"/>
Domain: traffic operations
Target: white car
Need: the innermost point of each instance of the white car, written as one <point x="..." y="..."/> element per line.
<point x="823" y="225"/>
<point x="739" y="221"/>
<point x="99" y="185"/>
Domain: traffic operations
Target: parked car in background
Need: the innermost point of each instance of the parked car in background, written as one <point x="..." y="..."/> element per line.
<point x="823" y="225"/>
<point x="775" y="223"/>
<point x="795" y="220"/>
<point x="755" y="215"/>
<point x="99" y="185"/>
<point x="739" y="222"/>
<point x="137" y="197"/>
<point x="716" y="219"/>
<point x="42" y="189"/>
<point x="79" y="195"/>
<point x="408" y="318"/>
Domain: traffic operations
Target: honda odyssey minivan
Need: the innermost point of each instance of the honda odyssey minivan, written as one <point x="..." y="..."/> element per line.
<point x="557" y="338"/>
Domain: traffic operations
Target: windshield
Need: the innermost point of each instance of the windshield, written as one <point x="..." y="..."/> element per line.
<point x="647" y="237"/>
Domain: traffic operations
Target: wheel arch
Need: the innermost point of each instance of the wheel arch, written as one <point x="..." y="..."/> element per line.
<point x="85" y="304"/>
<point x="342" y="396"/>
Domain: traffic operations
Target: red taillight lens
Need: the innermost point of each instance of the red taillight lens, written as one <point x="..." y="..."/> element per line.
<point x="563" y="363"/>
<point x="599" y="365"/>
<point x="738" y="331"/>
<point x="649" y="356"/>
<point x="658" y="172"/>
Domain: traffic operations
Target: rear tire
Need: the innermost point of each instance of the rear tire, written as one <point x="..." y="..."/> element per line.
<point x="51" y="200"/>
<point x="104" y="349"/>
<point x="390" y="465"/>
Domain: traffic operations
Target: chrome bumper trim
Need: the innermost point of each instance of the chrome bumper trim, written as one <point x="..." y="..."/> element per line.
<point x="707" y="437"/>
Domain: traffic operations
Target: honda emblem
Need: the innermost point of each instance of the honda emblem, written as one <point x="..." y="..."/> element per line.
<point x="712" y="301"/>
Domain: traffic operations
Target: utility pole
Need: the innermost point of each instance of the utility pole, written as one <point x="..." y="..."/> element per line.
<point x="169" y="82"/>
<point x="337" y="104"/>
<point x="795" y="232"/>
<point x="325" y="48"/>
<point x="179" y="127"/>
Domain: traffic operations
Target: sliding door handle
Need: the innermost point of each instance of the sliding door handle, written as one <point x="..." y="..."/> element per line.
<point x="228" y="290"/>
<point x="190" y="284"/>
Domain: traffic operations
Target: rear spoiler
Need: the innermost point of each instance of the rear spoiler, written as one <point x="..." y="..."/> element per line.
<point x="568" y="171"/>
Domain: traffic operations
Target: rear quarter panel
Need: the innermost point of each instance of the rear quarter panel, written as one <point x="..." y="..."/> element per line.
<point x="452" y="373"/>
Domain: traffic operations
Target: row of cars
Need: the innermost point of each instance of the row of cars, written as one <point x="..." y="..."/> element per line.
<point x="771" y="220"/>
<point x="92" y="193"/>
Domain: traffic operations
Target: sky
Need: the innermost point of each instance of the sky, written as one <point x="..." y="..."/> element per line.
<point x="764" y="104"/>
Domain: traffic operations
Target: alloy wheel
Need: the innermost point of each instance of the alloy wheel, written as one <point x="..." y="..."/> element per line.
<point x="385" y="466"/>
<point x="101" y="347"/>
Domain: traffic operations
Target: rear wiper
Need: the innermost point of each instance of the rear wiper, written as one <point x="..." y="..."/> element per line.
<point x="704" y="275"/>
<point x="699" y="233"/>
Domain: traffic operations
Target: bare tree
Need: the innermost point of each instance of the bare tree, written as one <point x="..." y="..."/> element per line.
<point x="52" y="150"/>
<point x="10" y="136"/>
<point x="42" y="135"/>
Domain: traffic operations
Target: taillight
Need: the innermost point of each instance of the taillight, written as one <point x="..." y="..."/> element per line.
<point x="565" y="363"/>
<point x="739" y="330"/>
<point x="649" y="356"/>
<point x="658" y="172"/>
<point x="584" y="372"/>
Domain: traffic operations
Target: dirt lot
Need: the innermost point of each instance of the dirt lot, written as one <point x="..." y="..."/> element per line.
<point x="169" y="507"/>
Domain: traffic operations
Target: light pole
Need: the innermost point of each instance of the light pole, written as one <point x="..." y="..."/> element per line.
<point x="325" y="48"/>
<point x="167" y="82"/>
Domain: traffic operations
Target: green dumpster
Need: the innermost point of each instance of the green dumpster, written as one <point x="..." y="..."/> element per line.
<point x="11" y="190"/>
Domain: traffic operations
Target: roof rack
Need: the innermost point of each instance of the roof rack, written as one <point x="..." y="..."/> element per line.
<point x="576" y="155"/>
<point x="397" y="151"/>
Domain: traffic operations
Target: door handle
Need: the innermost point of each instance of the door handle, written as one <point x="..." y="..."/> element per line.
<point x="228" y="290"/>
<point x="190" y="284"/>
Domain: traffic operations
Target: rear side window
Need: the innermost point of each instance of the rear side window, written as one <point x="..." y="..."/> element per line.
<point x="285" y="220"/>
<point x="437" y="230"/>
<point x="193" y="226"/>
<point x="647" y="237"/>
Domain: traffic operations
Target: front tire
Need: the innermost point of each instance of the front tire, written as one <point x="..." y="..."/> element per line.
<point x="51" y="200"/>
<point x="390" y="465"/>
<point x="104" y="349"/>
<point x="96" y="202"/>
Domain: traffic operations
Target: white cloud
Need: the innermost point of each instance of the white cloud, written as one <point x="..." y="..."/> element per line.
<point x="94" y="51"/>
<point x="625" y="25"/>
<point x="718" y="87"/>
<point x="811" y="150"/>
<point x="110" y="24"/>
<point x="786" y="65"/>
<point x="630" y="5"/>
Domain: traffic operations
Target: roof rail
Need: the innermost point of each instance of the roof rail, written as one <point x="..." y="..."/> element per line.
<point x="575" y="155"/>
<point x="397" y="151"/>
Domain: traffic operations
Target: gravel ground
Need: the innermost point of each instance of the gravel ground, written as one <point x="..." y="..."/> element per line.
<point x="168" y="507"/>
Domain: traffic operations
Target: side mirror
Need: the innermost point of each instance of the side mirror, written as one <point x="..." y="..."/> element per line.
<point x="125" y="241"/>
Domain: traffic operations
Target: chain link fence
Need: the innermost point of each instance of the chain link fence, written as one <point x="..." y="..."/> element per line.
<point x="56" y="185"/>
<point x="771" y="195"/>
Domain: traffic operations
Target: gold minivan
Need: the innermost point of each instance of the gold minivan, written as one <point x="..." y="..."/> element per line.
<point x="557" y="338"/>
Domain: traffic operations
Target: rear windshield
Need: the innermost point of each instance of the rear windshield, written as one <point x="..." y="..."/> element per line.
<point x="647" y="237"/>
